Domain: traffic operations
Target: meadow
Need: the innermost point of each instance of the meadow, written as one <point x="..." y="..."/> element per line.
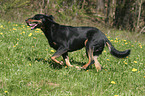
<point x="27" y="70"/>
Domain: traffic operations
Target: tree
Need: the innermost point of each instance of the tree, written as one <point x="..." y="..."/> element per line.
<point x="125" y="15"/>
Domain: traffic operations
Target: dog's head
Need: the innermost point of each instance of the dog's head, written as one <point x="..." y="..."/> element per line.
<point x="39" y="20"/>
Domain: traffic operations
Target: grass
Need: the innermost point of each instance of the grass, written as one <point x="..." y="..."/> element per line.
<point x="27" y="70"/>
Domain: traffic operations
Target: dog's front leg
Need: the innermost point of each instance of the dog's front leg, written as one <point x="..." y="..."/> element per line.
<point x="57" y="54"/>
<point x="54" y="59"/>
<point x="66" y="58"/>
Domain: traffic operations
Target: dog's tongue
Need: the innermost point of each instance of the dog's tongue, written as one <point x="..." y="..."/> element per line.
<point x="33" y="26"/>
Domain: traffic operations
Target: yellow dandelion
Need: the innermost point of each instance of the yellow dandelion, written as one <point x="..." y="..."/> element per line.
<point x="116" y="38"/>
<point x="23" y="32"/>
<point x="126" y="43"/>
<point x="106" y="34"/>
<point x="14" y="46"/>
<point x="144" y="76"/>
<point x="1" y="33"/>
<point x="113" y="82"/>
<point x="17" y="38"/>
<point x="134" y="69"/>
<point x="14" y="29"/>
<point x="6" y="91"/>
<point x="135" y="61"/>
<point x="52" y="51"/>
<point x="111" y="40"/>
<point x="140" y="46"/>
<point x="30" y="34"/>
<point x="87" y="70"/>
<point x="37" y="31"/>
<point x="124" y="62"/>
<point x="32" y="46"/>
<point x="116" y="95"/>
<point x="46" y="49"/>
<point x="65" y="66"/>
<point x="108" y="60"/>
<point x="34" y="37"/>
<point x="29" y="64"/>
<point x="108" y="37"/>
<point x="124" y="40"/>
<point x="1" y="26"/>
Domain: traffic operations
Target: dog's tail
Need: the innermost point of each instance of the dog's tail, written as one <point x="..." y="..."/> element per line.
<point x="116" y="53"/>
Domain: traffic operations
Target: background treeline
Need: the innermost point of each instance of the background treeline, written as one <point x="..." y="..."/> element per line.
<point x="122" y="14"/>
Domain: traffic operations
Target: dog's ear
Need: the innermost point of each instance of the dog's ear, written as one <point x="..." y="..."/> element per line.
<point x="50" y="18"/>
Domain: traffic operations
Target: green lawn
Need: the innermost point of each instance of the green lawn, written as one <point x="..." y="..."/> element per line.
<point x="27" y="70"/>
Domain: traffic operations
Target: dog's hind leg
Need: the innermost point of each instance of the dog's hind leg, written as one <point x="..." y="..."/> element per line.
<point x="91" y="61"/>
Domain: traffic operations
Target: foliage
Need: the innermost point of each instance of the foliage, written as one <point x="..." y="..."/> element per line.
<point x="27" y="70"/>
<point x="123" y="14"/>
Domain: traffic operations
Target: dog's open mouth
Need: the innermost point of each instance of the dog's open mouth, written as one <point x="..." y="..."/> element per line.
<point x="33" y="25"/>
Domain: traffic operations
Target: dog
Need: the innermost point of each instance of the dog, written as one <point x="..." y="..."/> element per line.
<point x="66" y="39"/>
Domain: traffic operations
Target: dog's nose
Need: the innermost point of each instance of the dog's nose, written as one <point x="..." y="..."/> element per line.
<point x="26" y="21"/>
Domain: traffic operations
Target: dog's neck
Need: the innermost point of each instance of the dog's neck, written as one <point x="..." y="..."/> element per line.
<point x="50" y="30"/>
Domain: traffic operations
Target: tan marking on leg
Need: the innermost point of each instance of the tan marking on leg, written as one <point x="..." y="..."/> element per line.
<point x="53" y="58"/>
<point x="109" y="46"/>
<point x="54" y="43"/>
<point x="90" y="54"/>
<point x="86" y="65"/>
<point x="86" y="42"/>
<point x="67" y="62"/>
<point x="97" y="64"/>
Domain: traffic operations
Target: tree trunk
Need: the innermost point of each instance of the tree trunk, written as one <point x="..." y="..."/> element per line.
<point x="137" y="26"/>
<point x="108" y="12"/>
<point x="124" y="14"/>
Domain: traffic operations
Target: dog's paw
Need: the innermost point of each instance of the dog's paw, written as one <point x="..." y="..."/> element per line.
<point x="98" y="68"/>
<point x="61" y="63"/>
<point x="83" y="68"/>
<point x="79" y="68"/>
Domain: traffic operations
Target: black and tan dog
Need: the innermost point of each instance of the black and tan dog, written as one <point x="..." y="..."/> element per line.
<point x="66" y="39"/>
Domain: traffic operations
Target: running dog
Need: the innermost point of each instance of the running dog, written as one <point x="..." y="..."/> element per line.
<point x="66" y="39"/>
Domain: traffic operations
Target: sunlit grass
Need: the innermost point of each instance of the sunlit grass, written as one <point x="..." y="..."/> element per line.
<point x="27" y="70"/>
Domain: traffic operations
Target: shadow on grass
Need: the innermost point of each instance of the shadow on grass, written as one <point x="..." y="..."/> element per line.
<point x="54" y="65"/>
<point x="49" y="61"/>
